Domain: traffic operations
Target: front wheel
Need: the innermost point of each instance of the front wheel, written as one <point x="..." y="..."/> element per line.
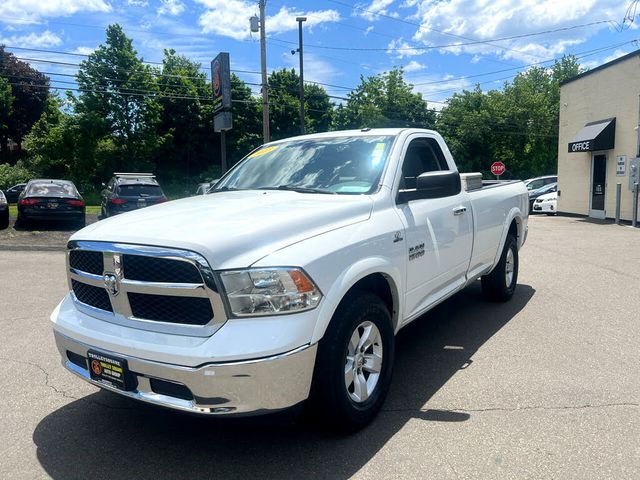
<point x="500" y="284"/>
<point x="354" y="364"/>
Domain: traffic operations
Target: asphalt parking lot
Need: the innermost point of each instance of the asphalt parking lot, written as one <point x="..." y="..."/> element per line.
<point x="545" y="386"/>
<point x="39" y="237"/>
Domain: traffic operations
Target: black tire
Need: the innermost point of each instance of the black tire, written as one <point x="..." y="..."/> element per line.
<point x="4" y="221"/>
<point x="21" y="222"/>
<point x="330" y="402"/>
<point x="82" y="223"/>
<point x="494" y="284"/>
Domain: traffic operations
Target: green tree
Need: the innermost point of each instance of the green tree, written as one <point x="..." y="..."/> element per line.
<point x="247" y="121"/>
<point x="118" y="99"/>
<point x="52" y="143"/>
<point x="467" y="125"/>
<point x="284" y="111"/>
<point x="29" y="89"/>
<point x="6" y="107"/>
<point x="186" y="119"/>
<point x="384" y="100"/>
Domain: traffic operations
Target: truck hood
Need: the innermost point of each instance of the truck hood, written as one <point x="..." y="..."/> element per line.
<point x="233" y="229"/>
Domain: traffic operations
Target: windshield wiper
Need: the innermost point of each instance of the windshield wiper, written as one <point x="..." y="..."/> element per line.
<point x="294" y="188"/>
<point x="222" y="189"/>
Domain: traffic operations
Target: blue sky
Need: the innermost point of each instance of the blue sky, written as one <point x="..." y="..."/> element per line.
<point x="343" y="38"/>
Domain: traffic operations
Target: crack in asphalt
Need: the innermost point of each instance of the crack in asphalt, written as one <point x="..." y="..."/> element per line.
<point x="46" y="377"/>
<point x="514" y="409"/>
<point x="64" y="393"/>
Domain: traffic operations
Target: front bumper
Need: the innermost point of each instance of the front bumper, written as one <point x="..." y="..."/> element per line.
<point x="544" y="207"/>
<point x="241" y="387"/>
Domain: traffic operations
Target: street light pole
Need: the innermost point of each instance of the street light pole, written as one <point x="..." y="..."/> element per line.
<point x="300" y="20"/>
<point x="263" y="61"/>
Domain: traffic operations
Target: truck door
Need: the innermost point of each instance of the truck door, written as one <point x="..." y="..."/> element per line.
<point x="438" y="231"/>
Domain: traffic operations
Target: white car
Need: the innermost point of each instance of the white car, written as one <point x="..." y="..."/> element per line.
<point x="547" y="203"/>
<point x="289" y="281"/>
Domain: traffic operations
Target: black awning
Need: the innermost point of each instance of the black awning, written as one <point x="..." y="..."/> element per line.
<point x="595" y="136"/>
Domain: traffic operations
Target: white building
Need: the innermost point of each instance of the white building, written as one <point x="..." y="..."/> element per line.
<point x="598" y="138"/>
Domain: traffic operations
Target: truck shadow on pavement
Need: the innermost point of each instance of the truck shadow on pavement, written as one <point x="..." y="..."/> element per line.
<point x="106" y="436"/>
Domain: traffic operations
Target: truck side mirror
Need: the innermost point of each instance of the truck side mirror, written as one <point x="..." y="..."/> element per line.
<point x="438" y="184"/>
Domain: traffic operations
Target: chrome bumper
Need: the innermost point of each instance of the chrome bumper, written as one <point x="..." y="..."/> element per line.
<point x="252" y="386"/>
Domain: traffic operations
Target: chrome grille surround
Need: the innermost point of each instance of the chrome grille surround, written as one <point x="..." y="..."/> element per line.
<point x="122" y="315"/>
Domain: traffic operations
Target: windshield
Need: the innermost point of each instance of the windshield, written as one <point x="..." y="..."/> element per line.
<point x="144" y="190"/>
<point x="546" y="188"/>
<point x="45" y="189"/>
<point x="343" y="165"/>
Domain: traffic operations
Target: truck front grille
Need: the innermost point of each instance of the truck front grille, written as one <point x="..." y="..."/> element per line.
<point x="86" y="261"/>
<point x="151" y="288"/>
<point x="95" y="297"/>
<point x="164" y="308"/>
<point x="152" y="269"/>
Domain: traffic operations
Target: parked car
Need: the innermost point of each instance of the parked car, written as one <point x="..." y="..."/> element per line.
<point x="4" y="211"/>
<point x="551" y="187"/>
<point x="203" y="188"/>
<point x="297" y="269"/>
<point x="12" y="193"/>
<point x="50" y="200"/>
<point x="547" y="203"/>
<point x="539" y="182"/>
<point x="130" y="191"/>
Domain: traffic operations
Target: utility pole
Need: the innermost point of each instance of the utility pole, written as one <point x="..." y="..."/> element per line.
<point x="300" y="20"/>
<point x="263" y="61"/>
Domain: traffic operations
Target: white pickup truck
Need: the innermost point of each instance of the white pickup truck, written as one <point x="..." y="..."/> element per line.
<point x="289" y="280"/>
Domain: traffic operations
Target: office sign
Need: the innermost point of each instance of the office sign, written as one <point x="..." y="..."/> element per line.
<point x="221" y="83"/>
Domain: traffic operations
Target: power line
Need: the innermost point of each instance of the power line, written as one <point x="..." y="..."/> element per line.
<point x="156" y="74"/>
<point x="452" y="45"/>
<point x="471" y="40"/>
<point x="578" y="56"/>
<point x="58" y="52"/>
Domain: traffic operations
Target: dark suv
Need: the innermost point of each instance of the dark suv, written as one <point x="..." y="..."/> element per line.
<point x="130" y="191"/>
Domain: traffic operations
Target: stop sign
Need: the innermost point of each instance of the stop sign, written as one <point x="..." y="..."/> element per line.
<point x="498" y="168"/>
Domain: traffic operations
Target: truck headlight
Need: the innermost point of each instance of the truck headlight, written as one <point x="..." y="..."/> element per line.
<point x="269" y="291"/>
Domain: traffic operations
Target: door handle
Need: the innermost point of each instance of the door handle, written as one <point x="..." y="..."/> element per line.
<point x="459" y="210"/>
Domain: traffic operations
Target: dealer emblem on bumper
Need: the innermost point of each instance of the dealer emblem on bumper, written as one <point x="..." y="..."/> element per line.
<point x="111" y="284"/>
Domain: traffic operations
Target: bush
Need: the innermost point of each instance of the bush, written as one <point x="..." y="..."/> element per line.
<point x="12" y="174"/>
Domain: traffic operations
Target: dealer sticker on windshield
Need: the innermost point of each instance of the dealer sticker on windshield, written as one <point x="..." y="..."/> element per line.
<point x="263" y="151"/>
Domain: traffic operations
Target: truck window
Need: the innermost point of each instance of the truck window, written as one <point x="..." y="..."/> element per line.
<point x="423" y="155"/>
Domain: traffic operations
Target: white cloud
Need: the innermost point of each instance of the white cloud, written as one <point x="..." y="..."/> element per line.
<point x="137" y="3"/>
<point x="413" y="66"/>
<point x="617" y="54"/>
<point x="437" y="89"/>
<point x="25" y="10"/>
<point x="32" y="40"/>
<point x="401" y="49"/>
<point x="84" y="50"/>
<point x="315" y="69"/>
<point x="230" y="18"/>
<point x="482" y="20"/>
<point x="369" y="11"/>
<point x="171" y="7"/>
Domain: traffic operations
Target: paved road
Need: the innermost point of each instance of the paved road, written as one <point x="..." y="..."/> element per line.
<point x="546" y="386"/>
<point x="41" y="236"/>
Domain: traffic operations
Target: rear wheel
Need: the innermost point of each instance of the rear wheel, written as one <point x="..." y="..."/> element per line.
<point x="354" y="364"/>
<point x="500" y="284"/>
<point x="4" y="220"/>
